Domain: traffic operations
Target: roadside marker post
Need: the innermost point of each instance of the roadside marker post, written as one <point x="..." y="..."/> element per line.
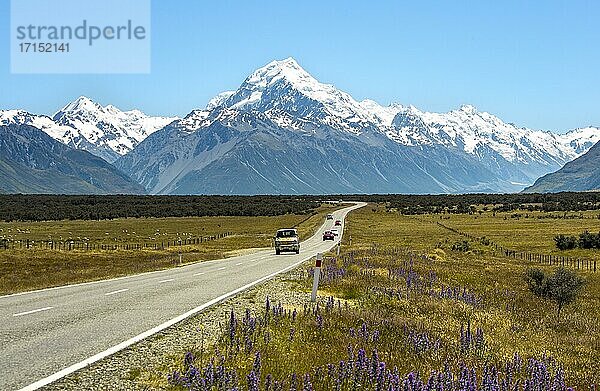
<point x="317" y="273"/>
<point x="180" y="253"/>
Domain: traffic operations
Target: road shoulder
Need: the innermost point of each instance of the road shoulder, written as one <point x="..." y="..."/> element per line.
<point x="144" y="365"/>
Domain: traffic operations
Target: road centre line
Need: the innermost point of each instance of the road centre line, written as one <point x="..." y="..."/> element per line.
<point x="115" y="292"/>
<point x="167" y="280"/>
<point x="33" y="311"/>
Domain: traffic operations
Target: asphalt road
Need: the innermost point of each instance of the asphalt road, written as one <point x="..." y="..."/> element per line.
<point x="49" y="333"/>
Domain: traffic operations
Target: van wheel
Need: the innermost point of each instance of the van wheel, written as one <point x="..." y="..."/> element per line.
<point x="277" y="252"/>
<point x="297" y="251"/>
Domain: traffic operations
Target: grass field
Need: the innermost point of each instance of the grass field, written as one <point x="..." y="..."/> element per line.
<point x="527" y="231"/>
<point x="404" y="308"/>
<point x="27" y="269"/>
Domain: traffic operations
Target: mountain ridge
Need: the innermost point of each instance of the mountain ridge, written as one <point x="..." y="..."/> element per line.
<point x="105" y="131"/>
<point x="581" y="174"/>
<point x="284" y="105"/>
<point x="33" y="162"/>
<point x="281" y="111"/>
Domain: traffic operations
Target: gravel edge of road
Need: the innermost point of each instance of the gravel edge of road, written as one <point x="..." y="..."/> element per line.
<point x="139" y="367"/>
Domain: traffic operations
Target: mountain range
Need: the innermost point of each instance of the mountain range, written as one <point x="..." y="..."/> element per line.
<point x="581" y="174"/>
<point x="84" y="124"/>
<point x="282" y="131"/>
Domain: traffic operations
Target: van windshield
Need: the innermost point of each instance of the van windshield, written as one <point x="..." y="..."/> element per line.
<point x="286" y="233"/>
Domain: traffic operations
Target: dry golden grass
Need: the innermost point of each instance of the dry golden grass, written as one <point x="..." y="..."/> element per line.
<point x="27" y="269"/>
<point x="376" y="255"/>
<point x="513" y="319"/>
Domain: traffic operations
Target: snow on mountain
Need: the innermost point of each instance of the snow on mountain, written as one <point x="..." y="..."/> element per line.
<point x="581" y="139"/>
<point x="104" y="130"/>
<point x="292" y="98"/>
<point x="219" y="99"/>
<point x="383" y="114"/>
<point x="42" y="122"/>
<point x="283" y="131"/>
<point x="471" y="130"/>
<point x="33" y="162"/>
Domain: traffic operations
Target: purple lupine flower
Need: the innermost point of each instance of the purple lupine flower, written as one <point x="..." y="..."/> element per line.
<point x="294" y="382"/>
<point x="307" y="385"/>
<point x="252" y="381"/>
<point x="363" y="331"/>
<point x="319" y="322"/>
<point x="248" y="345"/>
<point x="257" y="365"/>
<point x="232" y="326"/>
<point x="188" y="359"/>
<point x="375" y="335"/>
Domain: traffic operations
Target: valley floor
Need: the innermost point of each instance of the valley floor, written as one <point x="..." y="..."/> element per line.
<point x="404" y="299"/>
<point x="97" y="250"/>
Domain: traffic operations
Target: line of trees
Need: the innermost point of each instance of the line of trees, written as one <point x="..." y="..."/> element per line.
<point x="586" y="240"/>
<point x="465" y="203"/>
<point x="98" y="207"/>
<point x="19" y="207"/>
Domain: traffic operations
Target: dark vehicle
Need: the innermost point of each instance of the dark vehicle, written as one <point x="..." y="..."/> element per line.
<point x="330" y="217"/>
<point x="328" y="235"/>
<point x="338" y="222"/>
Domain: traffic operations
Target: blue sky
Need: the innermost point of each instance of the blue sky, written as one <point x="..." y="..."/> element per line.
<point x="533" y="63"/>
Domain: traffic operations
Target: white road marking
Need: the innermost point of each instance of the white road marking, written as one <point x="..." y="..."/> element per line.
<point x="101" y="281"/>
<point x="239" y="263"/>
<point x="222" y="268"/>
<point x="82" y="364"/>
<point x="33" y="311"/>
<point x="115" y="292"/>
<point x="90" y="360"/>
<point x="168" y="280"/>
<point x="199" y="274"/>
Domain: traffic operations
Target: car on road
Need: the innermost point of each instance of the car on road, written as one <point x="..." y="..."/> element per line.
<point x="328" y="235"/>
<point x="335" y="232"/>
<point x="329" y="217"/>
<point x="338" y="223"/>
<point x="287" y="239"/>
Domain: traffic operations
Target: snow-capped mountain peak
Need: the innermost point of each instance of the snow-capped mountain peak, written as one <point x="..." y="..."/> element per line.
<point x="581" y="139"/>
<point x="81" y="103"/>
<point x="292" y="98"/>
<point x="13" y="116"/>
<point x="480" y="133"/>
<point x="104" y="130"/>
<point x="275" y="70"/>
<point x="383" y="114"/>
<point x="468" y="109"/>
